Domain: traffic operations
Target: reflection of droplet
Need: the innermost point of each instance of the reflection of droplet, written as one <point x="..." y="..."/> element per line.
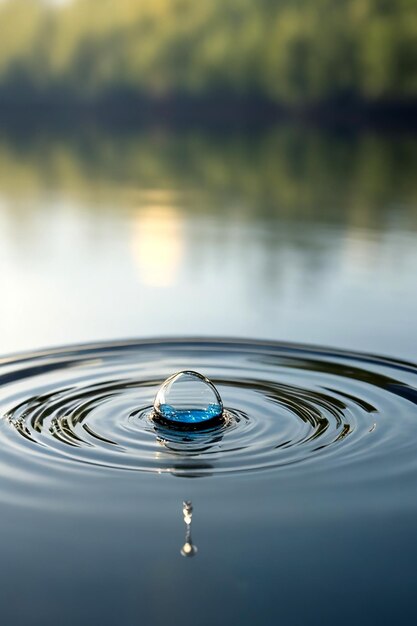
<point x="189" y="399"/>
<point x="188" y="549"/>
<point x="187" y="511"/>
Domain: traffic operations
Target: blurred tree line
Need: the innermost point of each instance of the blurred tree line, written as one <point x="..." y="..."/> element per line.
<point x="293" y="52"/>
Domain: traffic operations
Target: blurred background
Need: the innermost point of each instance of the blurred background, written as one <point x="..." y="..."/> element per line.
<point x="219" y="168"/>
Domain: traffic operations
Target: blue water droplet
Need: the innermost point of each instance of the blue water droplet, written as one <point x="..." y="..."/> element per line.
<point x="188" y="398"/>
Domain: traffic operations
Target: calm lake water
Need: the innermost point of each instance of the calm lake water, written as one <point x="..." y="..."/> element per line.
<point x="291" y="234"/>
<point x="303" y="498"/>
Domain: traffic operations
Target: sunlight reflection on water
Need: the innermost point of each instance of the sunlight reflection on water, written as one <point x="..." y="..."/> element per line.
<point x="200" y="237"/>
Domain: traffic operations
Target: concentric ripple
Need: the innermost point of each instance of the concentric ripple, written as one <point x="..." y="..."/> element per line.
<point x="285" y="405"/>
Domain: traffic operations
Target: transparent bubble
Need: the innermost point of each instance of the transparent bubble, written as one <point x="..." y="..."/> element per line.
<point x="188" y="398"/>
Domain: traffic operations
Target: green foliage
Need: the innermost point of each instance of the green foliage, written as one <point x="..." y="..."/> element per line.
<point x="292" y="51"/>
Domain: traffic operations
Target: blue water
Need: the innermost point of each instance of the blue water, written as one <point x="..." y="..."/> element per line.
<point x="190" y="416"/>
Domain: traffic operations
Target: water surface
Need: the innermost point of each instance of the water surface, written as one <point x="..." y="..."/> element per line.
<point x="289" y="234"/>
<point x="305" y="489"/>
<point x="304" y="508"/>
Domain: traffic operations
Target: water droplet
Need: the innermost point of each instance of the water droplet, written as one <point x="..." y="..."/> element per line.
<point x="188" y="399"/>
<point x="188" y="549"/>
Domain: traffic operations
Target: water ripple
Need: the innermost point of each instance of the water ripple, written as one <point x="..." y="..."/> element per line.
<point x="285" y="405"/>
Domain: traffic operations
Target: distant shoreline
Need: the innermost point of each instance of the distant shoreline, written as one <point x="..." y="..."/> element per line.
<point x="120" y="110"/>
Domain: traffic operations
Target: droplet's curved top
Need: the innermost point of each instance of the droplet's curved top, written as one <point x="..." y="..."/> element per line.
<point x="188" y="399"/>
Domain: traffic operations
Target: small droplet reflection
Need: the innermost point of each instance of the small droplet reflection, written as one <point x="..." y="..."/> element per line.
<point x="188" y="549"/>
